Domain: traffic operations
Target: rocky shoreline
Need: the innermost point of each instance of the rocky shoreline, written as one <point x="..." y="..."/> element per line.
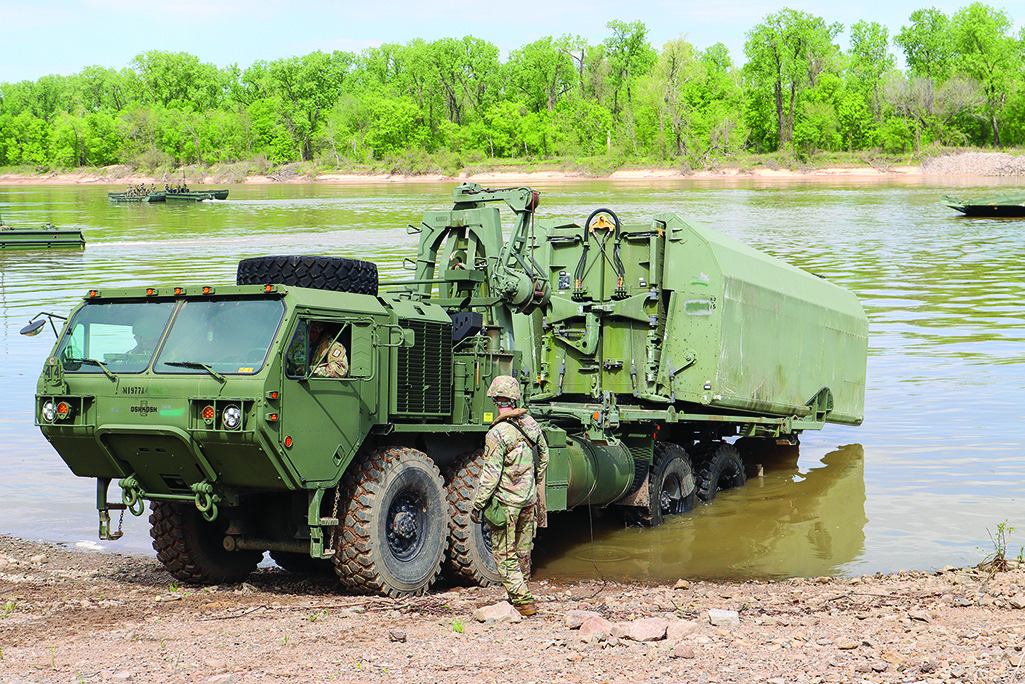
<point x="76" y="616"/>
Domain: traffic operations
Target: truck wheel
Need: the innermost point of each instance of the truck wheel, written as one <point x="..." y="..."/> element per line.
<point x="672" y="482"/>
<point x="192" y="549"/>
<point x="302" y="563"/>
<point x="721" y="469"/>
<point x="318" y="272"/>
<point x="469" y="544"/>
<point x="671" y="486"/>
<point x="395" y="525"/>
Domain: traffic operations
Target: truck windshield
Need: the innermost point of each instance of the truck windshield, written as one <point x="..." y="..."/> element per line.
<point x="119" y="337"/>
<point x="220" y="336"/>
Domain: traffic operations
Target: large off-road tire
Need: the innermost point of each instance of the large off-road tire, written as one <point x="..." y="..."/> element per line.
<point x="302" y="563"/>
<point x="671" y="486"/>
<point x="469" y="558"/>
<point x="395" y="525"/>
<point x="318" y="272"/>
<point x="192" y="548"/>
<point x="720" y="468"/>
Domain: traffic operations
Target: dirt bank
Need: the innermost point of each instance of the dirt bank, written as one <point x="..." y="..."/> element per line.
<point x="73" y="616"/>
<point x="987" y="164"/>
<point x="126" y="176"/>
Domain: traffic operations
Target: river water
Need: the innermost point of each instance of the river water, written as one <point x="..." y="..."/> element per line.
<point x="936" y="467"/>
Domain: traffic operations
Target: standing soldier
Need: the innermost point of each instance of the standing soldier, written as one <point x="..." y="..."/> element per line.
<point x="511" y="475"/>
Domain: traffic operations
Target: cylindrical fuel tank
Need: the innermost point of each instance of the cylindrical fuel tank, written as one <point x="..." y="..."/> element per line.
<point x="599" y="472"/>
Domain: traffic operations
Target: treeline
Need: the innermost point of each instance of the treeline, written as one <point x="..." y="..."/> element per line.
<point x="798" y="91"/>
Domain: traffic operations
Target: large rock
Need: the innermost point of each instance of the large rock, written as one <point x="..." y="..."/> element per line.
<point x="680" y="629"/>
<point x="723" y="618"/>
<point x="683" y="651"/>
<point x="497" y="613"/>
<point x="576" y="618"/>
<point x="595" y="627"/>
<point x="645" y="629"/>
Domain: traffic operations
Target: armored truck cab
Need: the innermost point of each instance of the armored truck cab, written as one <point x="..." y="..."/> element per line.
<point x="643" y="350"/>
<point x="207" y="402"/>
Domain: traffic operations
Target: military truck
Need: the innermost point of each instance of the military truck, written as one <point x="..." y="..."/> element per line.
<point x="642" y="349"/>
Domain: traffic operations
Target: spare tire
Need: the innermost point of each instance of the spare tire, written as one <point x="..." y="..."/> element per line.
<point x="318" y="272"/>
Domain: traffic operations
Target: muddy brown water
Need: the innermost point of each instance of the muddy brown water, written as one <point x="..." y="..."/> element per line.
<point x="938" y="464"/>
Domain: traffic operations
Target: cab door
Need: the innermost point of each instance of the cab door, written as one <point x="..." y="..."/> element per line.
<point x="325" y="414"/>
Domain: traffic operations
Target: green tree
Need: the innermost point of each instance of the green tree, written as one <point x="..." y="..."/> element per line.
<point x="51" y="96"/>
<point x="818" y="126"/>
<point x="395" y="126"/>
<point x="27" y="140"/>
<point x="629" y="58"/>
<point x="987" y="53"/>
<point x="500" y="130"/>
<point x="538" y="133"/>
<point x="466" y="70"/>
<point x="98" y="89"/>
<point x="927" y="44"/>
<point x="870" y="58"/>
<point x="343" y="130"/>
<point x="720" y="125"/>
<point x="577" y="49"/>
<point x="669" y="97"/>
<point x="542" y="72"/>
<point x="786" y="53"/>
<point x="307" y="86"/>
<point x="582" y="127"/>
<point x="178" y="80"/>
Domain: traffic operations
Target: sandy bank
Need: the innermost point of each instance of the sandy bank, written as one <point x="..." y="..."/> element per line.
<point x="483" y="178"/>
<point x="966" y="164"/>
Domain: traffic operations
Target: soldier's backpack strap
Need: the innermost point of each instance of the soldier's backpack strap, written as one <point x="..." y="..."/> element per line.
<point x="531" y="443"/>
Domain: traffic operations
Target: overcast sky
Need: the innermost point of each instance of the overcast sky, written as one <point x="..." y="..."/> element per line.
<point x="40" y="37"/>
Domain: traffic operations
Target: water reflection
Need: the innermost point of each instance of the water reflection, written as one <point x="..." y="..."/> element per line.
<point x="942" y="444"/>
<point x="786" y="523"/>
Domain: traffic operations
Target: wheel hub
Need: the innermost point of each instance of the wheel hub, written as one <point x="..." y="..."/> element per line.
<point x="671" y="496"/>
<point x="405" y="525"/>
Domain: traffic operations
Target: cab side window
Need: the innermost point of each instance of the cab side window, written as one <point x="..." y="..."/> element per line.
<point x="319" y="349"/>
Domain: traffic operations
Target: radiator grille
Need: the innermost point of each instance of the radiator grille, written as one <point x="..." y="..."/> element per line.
<point x="423" y="382"/>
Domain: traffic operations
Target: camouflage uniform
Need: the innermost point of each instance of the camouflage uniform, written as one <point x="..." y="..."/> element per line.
<point x="509" y="474"/>
<point x="331" y="359"/>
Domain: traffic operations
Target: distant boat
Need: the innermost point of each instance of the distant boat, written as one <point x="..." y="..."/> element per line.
<point x="46" y="237"/>
<point x="195" y="195"/>
<point x="129" y="197"/>
<point x="1003" y="205"/>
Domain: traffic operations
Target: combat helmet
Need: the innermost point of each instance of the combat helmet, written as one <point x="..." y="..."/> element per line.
<point x="504" y="386"/>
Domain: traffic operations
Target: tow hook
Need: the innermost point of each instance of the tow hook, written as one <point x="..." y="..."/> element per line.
<point x="131" y="494"/>
<point x="206" y="500"/>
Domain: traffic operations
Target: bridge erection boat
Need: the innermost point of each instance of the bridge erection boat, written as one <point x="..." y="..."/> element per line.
<point x="46" y="237"/>
<point x="1007" y="204"/>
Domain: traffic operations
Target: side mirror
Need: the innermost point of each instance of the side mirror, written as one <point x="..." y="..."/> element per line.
<point x="36" y="324"/>
<point x="33" y="328"/>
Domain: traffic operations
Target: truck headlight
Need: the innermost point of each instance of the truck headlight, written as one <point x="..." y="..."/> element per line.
<point x="48" y="411"/>
<point x="231" y="417"/>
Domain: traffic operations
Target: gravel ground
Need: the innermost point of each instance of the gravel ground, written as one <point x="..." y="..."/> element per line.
<point x="976" y="164"/>
<point x="74" y="616"/>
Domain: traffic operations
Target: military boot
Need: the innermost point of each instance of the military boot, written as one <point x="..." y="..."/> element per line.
<point x="527" y="609"/>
